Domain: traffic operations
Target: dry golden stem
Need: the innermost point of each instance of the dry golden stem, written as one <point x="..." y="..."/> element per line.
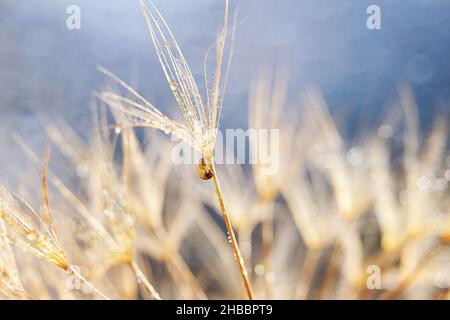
<point x="231" y="235"/>
<point x="143" y="280"/>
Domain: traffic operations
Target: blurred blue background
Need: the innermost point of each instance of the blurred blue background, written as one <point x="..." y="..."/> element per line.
<point x="47" y="70"/>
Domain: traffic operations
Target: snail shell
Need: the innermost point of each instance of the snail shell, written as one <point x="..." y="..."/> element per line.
<point x="204" y="171"/>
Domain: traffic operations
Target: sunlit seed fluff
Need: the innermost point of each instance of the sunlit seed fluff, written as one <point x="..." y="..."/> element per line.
<point x="201" y="115"/>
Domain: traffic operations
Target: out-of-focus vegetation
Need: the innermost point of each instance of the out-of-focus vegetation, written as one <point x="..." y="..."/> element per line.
<point x="112" y="216"/>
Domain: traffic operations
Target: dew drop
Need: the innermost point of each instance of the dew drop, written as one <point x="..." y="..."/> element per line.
<point x="32" y="235"/>
<point x="86" y="289"/>
<point x="440" y="184"/>
<point x="385" y="131"/>
<point x="423" y="183"/>
<point x="355" y="156"/>
<point x="82" y="170"/>
<point x="173" y="86"/>
<point x="447" y="175"/>
<point x="260" y="270"/>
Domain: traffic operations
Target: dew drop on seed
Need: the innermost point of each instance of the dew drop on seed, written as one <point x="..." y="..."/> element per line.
<point x="385" y="131"/>
<point x="173" y="86"/>
<point x="32" y="235"/>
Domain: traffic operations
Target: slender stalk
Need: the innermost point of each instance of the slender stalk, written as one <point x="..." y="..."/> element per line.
<point x="231" y="235"/>
<point x="143" y="280"/>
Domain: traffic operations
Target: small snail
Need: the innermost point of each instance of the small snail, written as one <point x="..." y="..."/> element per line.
<point x="204" y="170"/>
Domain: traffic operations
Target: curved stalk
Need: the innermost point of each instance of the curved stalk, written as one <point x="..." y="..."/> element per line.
<point x="231" y="235"/>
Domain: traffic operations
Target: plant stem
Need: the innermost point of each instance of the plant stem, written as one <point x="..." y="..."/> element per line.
<point x="143" y="279"/>
<point x="231" y="235"/>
